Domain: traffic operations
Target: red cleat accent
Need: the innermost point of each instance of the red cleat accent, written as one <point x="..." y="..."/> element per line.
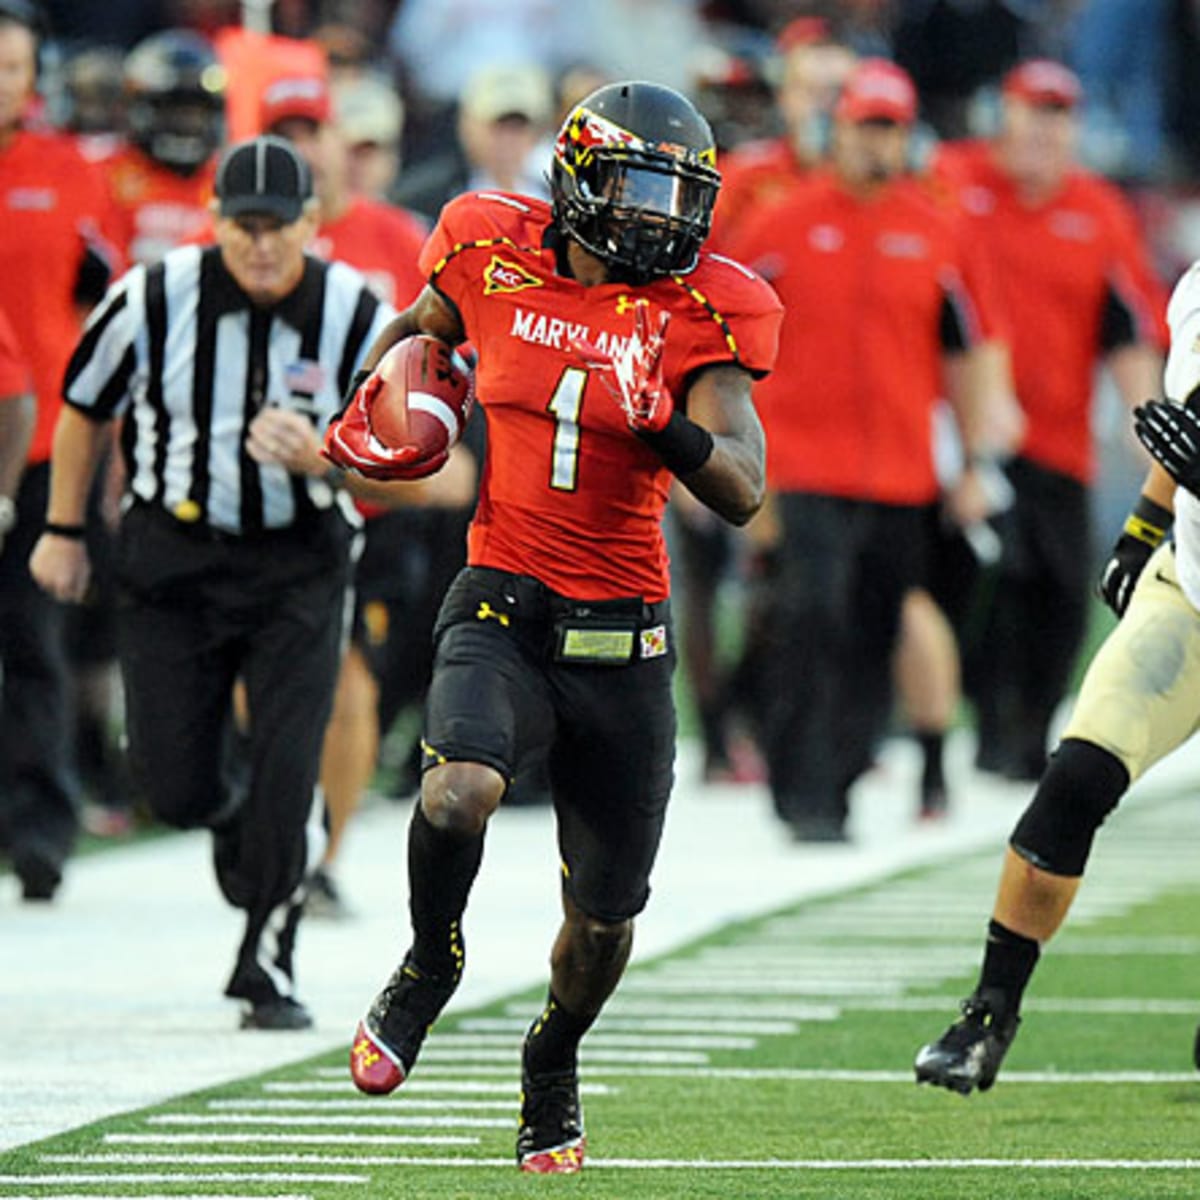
<point x="562" y="1160"/>
<point x="373" y="1067"/>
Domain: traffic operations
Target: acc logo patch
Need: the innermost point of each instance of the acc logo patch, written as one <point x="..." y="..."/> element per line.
<point x="654" y="641"/>
<point x="501" y="276"/>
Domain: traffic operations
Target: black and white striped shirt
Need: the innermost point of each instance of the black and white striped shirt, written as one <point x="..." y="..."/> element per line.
<point x="180" y="350"/>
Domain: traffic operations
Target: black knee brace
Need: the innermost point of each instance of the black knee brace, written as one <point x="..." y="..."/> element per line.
<point x="1081" y="785"/>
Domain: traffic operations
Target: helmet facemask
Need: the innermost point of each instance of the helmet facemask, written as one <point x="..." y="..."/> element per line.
<point x="644" y="211"/>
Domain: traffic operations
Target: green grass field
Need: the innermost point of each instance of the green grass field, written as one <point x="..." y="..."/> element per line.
<point x="772" y="1059"/>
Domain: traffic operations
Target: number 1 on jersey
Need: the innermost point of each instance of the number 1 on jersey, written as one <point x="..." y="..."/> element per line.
<point x="565" y="405"/>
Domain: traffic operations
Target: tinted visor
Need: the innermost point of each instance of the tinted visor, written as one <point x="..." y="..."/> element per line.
<point x="668" y="190"/>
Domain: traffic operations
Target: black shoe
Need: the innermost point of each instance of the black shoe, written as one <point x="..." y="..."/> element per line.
<point x="550" y="1140"/>
<point x="282" y="1012"/>
<point x="39" y="871"/>
<point x="1196" y="1049"/>
<point x="818" y="829"/>
<point x="323" y="898"/>
<point x="389" y="1037"/>
<point x="934" y="803"/>
<point x="970" y="1052"/>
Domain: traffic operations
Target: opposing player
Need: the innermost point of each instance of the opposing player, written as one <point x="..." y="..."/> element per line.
<point x="613" y="352"/>
<point x="1139" y="700"/>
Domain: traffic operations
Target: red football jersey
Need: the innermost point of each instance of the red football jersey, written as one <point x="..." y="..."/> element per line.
<point x="1057" y="266"/>
<point x="866" y="287"/>
<point x="15" y="379"/>
<point x="569" y="494"/>
<point x="157" y="209"/>
<point x="53" y="206"/>
<point x="752" y="176"/>
<point x="381" y="241"/>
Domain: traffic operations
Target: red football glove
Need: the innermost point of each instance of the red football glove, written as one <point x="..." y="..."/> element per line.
<point x="634" y="375"/>
<point x="350" y="443"/>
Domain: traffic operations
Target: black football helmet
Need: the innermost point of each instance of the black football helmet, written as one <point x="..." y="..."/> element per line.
<point x="634" y="180"/>
<point x="175" y="99"/>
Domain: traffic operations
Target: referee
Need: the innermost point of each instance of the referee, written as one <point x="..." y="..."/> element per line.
<point x="233" y="554"/>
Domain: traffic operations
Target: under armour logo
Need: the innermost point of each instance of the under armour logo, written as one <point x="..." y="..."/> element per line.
<point x="485" y="610"/>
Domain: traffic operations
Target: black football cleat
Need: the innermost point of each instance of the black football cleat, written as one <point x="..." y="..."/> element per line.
<point x="550" y="1140"/>
<point x="970" y="1052"/>
<point x="389" y="1037"/>
<point x="1196" y="1049"/>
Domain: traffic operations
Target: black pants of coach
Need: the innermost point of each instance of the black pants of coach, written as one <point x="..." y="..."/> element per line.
<point x="844" y="568"/>
<point x="1018" y="670"/>
<point x="37" y="803"/>
<point x="196" y="613"/>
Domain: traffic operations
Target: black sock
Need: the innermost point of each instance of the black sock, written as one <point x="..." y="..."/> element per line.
<point x="441" y="869"/>
<point x="933" y="776"/>
<point x="553" y="1039"/>
<point x="1008" y="963"/>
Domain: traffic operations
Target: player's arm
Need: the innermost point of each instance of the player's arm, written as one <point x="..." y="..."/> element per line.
<point x="431" y="312"/>
<point x="732" y="479"/>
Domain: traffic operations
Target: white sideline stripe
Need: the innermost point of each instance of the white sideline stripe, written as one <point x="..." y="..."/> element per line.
<point x="608" y="1025"/>
<point x="417" y="1085"/>
<point x="222" y="1160"/>
<point x="290" y="1139"/>
<point x="383" y="1121"/>
<point x="822" y="1075"/>
<point x="187" y="1177"/>
<point x="1112" y="1006"/>
<point x="317" y="1105"/>
<point x="433" y="1054"/>
<point x="753" y="986"/>
<point x="599" y="1039"/>
<point x="787" y="1010"/>
<point x="798" y="1164"/>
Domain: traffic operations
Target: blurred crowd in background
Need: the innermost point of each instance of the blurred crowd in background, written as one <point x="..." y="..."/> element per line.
<point x="429" y="98"/>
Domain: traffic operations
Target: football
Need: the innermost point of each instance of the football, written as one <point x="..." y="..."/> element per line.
<point x="425" y="398"/>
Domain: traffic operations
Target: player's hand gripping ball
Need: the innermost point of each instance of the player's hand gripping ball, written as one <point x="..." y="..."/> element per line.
<point x="408" y="413"/>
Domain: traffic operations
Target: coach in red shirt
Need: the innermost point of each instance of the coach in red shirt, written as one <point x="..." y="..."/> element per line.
<point x="880" y="295"/>
<point x="1075" y="287"/>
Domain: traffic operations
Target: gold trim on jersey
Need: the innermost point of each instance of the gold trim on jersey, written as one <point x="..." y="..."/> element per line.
<point x="705" y="303"/>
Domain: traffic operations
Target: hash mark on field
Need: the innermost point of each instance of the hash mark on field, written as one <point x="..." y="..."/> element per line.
<point x="384" y="1121"/>
<point x="289" y="1139"/>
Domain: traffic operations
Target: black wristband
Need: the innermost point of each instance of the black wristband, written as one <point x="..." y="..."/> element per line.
<point x="683" y="445"/>
<point x="74" y="532"/>
<point x="1148" y="522"/>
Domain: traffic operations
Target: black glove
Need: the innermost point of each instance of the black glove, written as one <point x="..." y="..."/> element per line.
<point x="1143" y="533"/>
<point x="1171" y="432"/>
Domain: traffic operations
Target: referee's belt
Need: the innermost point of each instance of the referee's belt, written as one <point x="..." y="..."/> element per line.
<point x="609" y="632"/>
<point x="201" y="531"/>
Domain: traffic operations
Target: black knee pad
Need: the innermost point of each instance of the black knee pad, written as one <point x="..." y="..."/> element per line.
<point x="1081" y="785"/>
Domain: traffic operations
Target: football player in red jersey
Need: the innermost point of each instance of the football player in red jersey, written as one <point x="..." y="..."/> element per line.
<point x="613" y="353"/>
<point x="162" y="179"/>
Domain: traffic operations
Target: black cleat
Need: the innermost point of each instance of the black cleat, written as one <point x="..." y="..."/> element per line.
<point x="1196" y="1049"/>
<point x="970" y="1052"/>
<point x="389" y="1037"/>
<point x="550" y="1140"/>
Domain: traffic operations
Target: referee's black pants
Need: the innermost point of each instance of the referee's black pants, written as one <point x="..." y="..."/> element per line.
<point x="197" y="612"/>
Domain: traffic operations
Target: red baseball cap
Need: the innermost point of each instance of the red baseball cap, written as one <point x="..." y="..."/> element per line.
<point x="803" y="31"/>
<point x="304" y="96"/>
<point x="878" y="90"/>
<point x="1045" y="83"/>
